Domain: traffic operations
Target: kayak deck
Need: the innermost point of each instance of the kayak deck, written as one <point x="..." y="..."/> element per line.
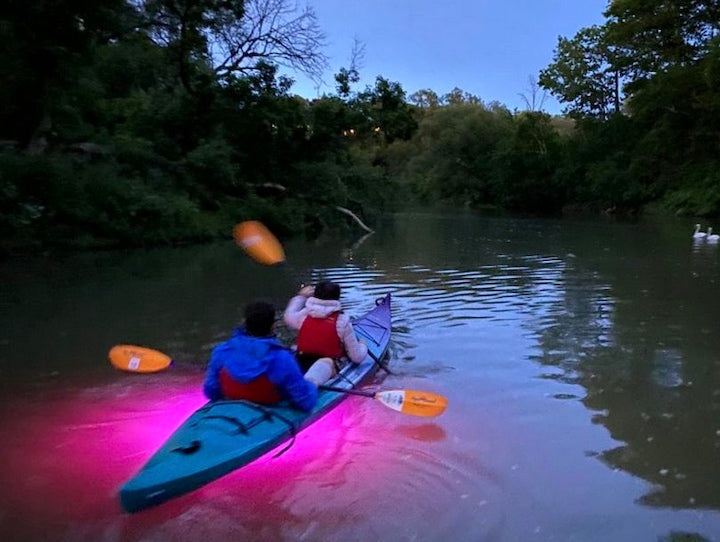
<point x="223" y="436"/>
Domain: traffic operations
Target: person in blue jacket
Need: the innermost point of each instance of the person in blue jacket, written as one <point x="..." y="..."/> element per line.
<point x="253" y="365"/>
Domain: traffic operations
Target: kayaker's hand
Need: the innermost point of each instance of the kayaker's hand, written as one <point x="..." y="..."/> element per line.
<point x="307" y="291"/>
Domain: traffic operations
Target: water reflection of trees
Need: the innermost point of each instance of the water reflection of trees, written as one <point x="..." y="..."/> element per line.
<point x="624" y="311"/>
<point x="634" y="328"/>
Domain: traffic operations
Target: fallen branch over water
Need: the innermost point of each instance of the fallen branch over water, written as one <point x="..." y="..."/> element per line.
<point x="354" y="217"/>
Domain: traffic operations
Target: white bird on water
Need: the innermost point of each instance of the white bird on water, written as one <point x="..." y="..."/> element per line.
<point x="698" y="234"/>
<point x="712" y="237"/>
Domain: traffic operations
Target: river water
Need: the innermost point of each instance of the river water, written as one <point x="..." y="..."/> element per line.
<point x="580" y="358"/>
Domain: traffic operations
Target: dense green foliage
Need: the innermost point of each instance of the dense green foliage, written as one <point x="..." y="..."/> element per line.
<point x="645" y="88"/>
<point x="155" y="121"/>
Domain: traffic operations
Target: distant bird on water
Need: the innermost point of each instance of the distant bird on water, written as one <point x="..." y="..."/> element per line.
<point x="698" y="234"/>
<point x="712" y="237"/>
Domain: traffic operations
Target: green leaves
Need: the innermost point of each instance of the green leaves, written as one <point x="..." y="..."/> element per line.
<point x="455" y="148"/>
<point x="653" y="36"/>
<point x="583" y="76"/>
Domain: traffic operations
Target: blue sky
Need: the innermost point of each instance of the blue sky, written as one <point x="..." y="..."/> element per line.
<point x="488" y="48"/>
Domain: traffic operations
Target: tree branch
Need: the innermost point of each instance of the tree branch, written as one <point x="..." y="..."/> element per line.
<point x="354" y="217"/>
<point x="275" y="31"/>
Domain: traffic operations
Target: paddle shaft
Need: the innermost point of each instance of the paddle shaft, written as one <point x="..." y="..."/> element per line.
<point x="348" y="391"/>
<point x="412" y="402"/>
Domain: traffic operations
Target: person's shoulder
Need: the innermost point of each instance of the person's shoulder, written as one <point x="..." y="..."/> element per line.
<point x="297" y="302"/>
<point x="273" y="342"/>
<point x="237" y="336"/>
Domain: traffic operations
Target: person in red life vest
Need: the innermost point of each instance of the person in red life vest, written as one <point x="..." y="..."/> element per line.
<point x="253" y="365"/>
<point x="325" y="333"/>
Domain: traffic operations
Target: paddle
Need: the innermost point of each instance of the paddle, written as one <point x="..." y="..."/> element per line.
<point x="259" y="243"/>
<point x="412" y="402"/>
<point x="139" y="359"/>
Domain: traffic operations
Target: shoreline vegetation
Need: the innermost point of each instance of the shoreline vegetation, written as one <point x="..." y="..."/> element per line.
<point x="122" y="126"/>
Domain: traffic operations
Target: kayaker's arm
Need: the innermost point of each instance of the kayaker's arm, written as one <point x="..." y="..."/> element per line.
<point x="292" y="384"/>
<point x="211" y="385"/>
<point x="355" y="349"/>
<point x="295" y="311"/>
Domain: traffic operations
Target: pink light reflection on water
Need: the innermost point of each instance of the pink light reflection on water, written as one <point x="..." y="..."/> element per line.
<point x="66" y="451"/>
<point x="64" y="456"/>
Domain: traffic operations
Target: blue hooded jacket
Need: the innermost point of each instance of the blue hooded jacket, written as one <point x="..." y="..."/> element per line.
<point x="246" y="357"/>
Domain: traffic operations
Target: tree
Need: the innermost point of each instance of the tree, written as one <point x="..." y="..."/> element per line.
<point x="385" y="111"/>
<point x="186" y="28"/>
<point x="527" y="161"/>
<point x="583" y="75"/>
<point x="650" y="36"/>
<point x="348" y="76"/>
<point x="271" y="31"/>
<point x="42" y="45"/>
<point x="534" y="100"/>
<point x="454" y="155"/>
<point x="458" y="96"/>
<point x="424" y="99"/>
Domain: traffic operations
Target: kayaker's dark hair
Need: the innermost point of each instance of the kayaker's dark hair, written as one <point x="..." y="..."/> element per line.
<point x="259" y="318"/>
<point x="327" y="290"/>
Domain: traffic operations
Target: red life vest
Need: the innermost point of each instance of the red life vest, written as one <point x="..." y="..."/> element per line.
<point x="318" y="337"/>
<point x="261" y="390"/>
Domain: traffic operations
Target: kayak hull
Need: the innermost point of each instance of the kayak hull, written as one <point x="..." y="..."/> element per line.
<point x="223" y="436"/>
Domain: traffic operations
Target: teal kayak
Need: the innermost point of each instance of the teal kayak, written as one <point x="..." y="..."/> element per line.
<point x="223" y="436"/>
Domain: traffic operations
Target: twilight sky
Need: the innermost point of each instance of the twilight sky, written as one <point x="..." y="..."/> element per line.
<point x="488" y="48"/>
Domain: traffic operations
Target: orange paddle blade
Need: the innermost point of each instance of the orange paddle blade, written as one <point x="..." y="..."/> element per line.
<point x="258" y="242"/>
<point x="138" y="359"/>
<point x="413" y="402"/>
